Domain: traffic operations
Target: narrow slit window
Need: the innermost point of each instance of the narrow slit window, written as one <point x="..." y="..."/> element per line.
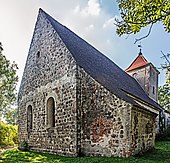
<point x="51" y="112"/>
<point x="29" y="118"/>
<point x="153" y="90"/>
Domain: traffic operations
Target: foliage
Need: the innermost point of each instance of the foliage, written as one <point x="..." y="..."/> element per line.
<point x="11" y="116"/>
<point x="138" y="14"/>
<point x="8" y="81"/>
<point x="164" y="92"/>
<point x="168" y="74"/>
<point x="164" y="96"/>
<point x="24" y="146"/>
<point x="8" y="134"/>
<point x="161" y="123"/>
<point x="161" y="153"/>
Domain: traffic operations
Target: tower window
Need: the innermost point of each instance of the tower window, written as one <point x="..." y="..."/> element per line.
<point x="51" y="112"/>
<point x="29" y="118"/>
<point x="134" y="75"/>
<point x="153" y="90"/>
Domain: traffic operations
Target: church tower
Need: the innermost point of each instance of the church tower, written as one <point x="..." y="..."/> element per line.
<point x="146" y="75"/>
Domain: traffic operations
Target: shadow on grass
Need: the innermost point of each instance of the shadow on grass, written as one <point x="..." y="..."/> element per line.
<point x="160" y="155"/>
<point x="155" y="156"/>
<point x="16" y="156"/>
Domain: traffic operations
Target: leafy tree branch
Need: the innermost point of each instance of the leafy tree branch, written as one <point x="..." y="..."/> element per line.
<point x="137" y="14"/>
<point x="8" y="81"/>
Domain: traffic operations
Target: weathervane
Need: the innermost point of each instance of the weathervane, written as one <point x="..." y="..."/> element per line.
<point x="140" y="48"/>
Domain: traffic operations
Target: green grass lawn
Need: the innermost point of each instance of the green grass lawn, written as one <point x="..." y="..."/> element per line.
<point x="161" y="154"/>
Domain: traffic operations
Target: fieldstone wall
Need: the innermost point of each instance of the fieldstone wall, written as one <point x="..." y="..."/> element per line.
<point x="50" y="71"/>
<point x="103" y="119"/>
<point x="143" y="130"/>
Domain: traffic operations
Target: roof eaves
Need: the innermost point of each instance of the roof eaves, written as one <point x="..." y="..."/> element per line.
<point x="128" y="69"/>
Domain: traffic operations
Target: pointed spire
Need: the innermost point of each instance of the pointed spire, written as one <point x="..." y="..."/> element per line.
<point x="140" y="61"/>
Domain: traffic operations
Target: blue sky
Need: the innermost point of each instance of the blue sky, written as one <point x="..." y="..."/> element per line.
<point x="92" y="20"/>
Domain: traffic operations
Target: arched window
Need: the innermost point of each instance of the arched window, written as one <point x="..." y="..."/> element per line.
<point x="50" y="112"/>
<point x="29" y="118"/>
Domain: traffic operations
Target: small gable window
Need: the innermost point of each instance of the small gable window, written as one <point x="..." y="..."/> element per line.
<point x="51" y="112"/>
<point x="38" y="55"/>
<point x="29" y="118"/>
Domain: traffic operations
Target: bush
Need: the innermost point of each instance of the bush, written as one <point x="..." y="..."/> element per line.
<point x="165" y="135"/>
<point x="8" y="134"/>
<point x="24" y="146"/>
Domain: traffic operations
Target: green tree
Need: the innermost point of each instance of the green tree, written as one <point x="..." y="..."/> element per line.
<point x="164" y="96"/>
<point x="11" y="116"/>
<point x="168" y="74"/>
<point x="136" y="14"/>
<point x="8" y="81"/>
<point x="164" y="92"/>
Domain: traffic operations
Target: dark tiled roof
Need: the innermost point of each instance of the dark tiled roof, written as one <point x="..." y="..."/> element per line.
<point x="101" y="68"/>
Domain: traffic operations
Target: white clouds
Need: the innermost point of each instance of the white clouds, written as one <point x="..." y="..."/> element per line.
<point x="90" y="27"/>
<point x="109" y="23"/>
<point x="92" y="8"/>
<point x="77" y="9"/>
<point x="90" y="22"/>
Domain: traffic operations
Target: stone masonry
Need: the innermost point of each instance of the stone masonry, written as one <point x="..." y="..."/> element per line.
<point x="110" y="126"/>
<point x="65" y="111"/>
<point x="50" y="72"/>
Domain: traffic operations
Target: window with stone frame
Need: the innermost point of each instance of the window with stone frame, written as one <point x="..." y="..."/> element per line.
<point x="51" y="112"/>
<point x="29" y="118"/>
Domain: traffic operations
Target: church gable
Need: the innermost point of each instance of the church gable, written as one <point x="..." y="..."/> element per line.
<point x="47" y="95"/>
<point x="48" y="58"/>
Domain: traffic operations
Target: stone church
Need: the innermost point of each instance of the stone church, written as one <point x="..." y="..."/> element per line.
<point x="75" y="101"/>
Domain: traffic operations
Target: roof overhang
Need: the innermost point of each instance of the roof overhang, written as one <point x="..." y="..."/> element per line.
<point x="143" y="105"/>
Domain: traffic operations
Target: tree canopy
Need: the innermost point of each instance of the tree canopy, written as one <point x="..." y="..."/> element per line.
<point x="136" y="14"/>
<point x="164" y="92"/>
<point x="11" y="116"/>
<point x="164" y="96"/>
<point x="8" y="81"/>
